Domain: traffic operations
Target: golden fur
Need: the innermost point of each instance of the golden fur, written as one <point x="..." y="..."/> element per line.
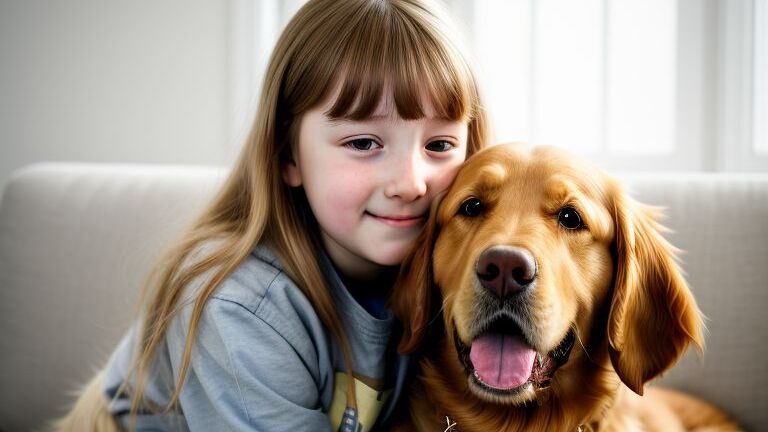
<point x="612" y="283"/>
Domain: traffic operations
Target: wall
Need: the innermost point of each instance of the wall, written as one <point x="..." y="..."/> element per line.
<point x="115" y="81"/>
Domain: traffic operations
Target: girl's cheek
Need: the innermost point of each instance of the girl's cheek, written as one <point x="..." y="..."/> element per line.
<point x="445" y="176"/>
<point x="341" y="214"/>
<point x="342" y="202"/>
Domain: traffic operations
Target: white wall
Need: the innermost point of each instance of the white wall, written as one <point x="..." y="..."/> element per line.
<point x="173" y="81"/>
<point x="115" y="81"/>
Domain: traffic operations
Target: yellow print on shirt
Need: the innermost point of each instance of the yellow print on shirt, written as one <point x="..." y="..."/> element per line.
<point x="369" y="403"/>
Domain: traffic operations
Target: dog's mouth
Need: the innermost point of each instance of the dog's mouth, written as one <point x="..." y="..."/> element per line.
<point x="500" y="362"/>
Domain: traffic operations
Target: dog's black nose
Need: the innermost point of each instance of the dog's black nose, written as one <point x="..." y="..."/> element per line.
<point x="506" y="270"/>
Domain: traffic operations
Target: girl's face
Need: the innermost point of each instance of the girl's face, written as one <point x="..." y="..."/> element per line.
<point x="370" y="183"/>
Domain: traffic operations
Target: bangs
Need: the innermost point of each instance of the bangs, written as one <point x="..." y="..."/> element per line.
<point x="419" y="66"/>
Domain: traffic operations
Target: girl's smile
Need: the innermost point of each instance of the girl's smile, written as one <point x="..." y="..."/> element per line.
<point x="404" y="221"/>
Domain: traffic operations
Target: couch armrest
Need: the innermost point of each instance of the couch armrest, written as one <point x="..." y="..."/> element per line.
<point x="76" y="242"/>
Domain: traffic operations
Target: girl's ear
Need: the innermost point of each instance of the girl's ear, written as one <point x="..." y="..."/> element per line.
<point x="653" y="315"/>
<point x="412" y="294"/>
<point x="291" y="173"/>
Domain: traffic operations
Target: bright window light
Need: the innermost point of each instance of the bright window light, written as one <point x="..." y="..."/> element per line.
<point x="568" y="73"/>
<point x="641" y="52"/>
<point x="502" y="35"/>
<point x="589" y="75"/>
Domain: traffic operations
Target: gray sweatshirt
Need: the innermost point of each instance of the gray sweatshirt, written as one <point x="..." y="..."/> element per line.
<point x="263" y="361"/>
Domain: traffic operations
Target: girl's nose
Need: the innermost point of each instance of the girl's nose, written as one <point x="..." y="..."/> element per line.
<point x="408" y="179"/>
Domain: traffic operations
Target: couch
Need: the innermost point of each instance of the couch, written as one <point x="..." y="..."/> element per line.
<point x="76" y="241"/>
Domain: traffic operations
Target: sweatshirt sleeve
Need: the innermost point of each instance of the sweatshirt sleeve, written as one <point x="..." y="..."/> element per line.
<point x="247" y="376"/>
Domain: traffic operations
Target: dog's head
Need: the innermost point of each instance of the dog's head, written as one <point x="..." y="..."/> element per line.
<point x="541" y="266"/>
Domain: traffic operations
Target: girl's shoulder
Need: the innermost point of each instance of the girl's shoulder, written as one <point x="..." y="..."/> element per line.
<point x="258" y="294"/>
<point x="260" y="286"/>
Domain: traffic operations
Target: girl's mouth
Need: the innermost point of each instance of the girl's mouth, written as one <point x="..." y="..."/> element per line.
<point x="399" y="221"/>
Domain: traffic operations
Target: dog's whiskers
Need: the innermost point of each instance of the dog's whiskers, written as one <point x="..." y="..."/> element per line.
<point x="576" y="332"/>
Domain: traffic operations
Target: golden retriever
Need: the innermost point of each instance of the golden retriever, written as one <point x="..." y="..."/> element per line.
<point x="540" y="297"/>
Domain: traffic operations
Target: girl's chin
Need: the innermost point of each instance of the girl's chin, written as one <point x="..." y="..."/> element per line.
<point x="389" y="258"/>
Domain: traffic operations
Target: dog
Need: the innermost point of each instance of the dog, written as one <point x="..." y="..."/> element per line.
<point x="541" y="297"/>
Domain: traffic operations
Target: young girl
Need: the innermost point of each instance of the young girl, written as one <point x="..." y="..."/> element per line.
<point x="269" y="314"/>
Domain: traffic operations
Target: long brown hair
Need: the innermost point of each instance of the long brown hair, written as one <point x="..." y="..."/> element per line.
<point x="355" y="47"/>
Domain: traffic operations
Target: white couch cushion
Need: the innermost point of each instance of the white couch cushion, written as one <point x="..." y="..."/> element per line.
<point x="76" y="242"/>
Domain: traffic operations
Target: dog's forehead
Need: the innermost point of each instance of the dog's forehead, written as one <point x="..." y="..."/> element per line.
<point x="495" y="164"/>
<point x="554" y="168"/>
<point x="544" y="172"/>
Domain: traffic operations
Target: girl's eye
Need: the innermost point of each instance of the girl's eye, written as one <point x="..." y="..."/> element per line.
<point x="362" y="144"/>
<point x="439" y="146"/>
<point x="569" y="218"/>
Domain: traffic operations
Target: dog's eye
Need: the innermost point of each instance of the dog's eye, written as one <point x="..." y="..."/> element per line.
<point x="569" y="218"/>
<point x="471" y="207"/>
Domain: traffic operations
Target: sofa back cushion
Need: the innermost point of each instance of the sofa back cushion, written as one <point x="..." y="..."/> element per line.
<point x="77" y="241"/>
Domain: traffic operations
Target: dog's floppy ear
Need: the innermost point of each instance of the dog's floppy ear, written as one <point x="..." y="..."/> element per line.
<point x="411" y="300"/>
<point x="653" y="315"/>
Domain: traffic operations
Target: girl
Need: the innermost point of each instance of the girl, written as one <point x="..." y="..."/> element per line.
<point x="269" y="314"/>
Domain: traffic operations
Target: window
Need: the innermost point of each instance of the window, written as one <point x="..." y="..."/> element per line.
<point x="632" y="84"/>
<point x="742" y="96"/>
<point x="587" y="75"/>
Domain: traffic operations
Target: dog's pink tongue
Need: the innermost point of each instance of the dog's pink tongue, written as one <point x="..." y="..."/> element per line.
<point x="501" y="360"/>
